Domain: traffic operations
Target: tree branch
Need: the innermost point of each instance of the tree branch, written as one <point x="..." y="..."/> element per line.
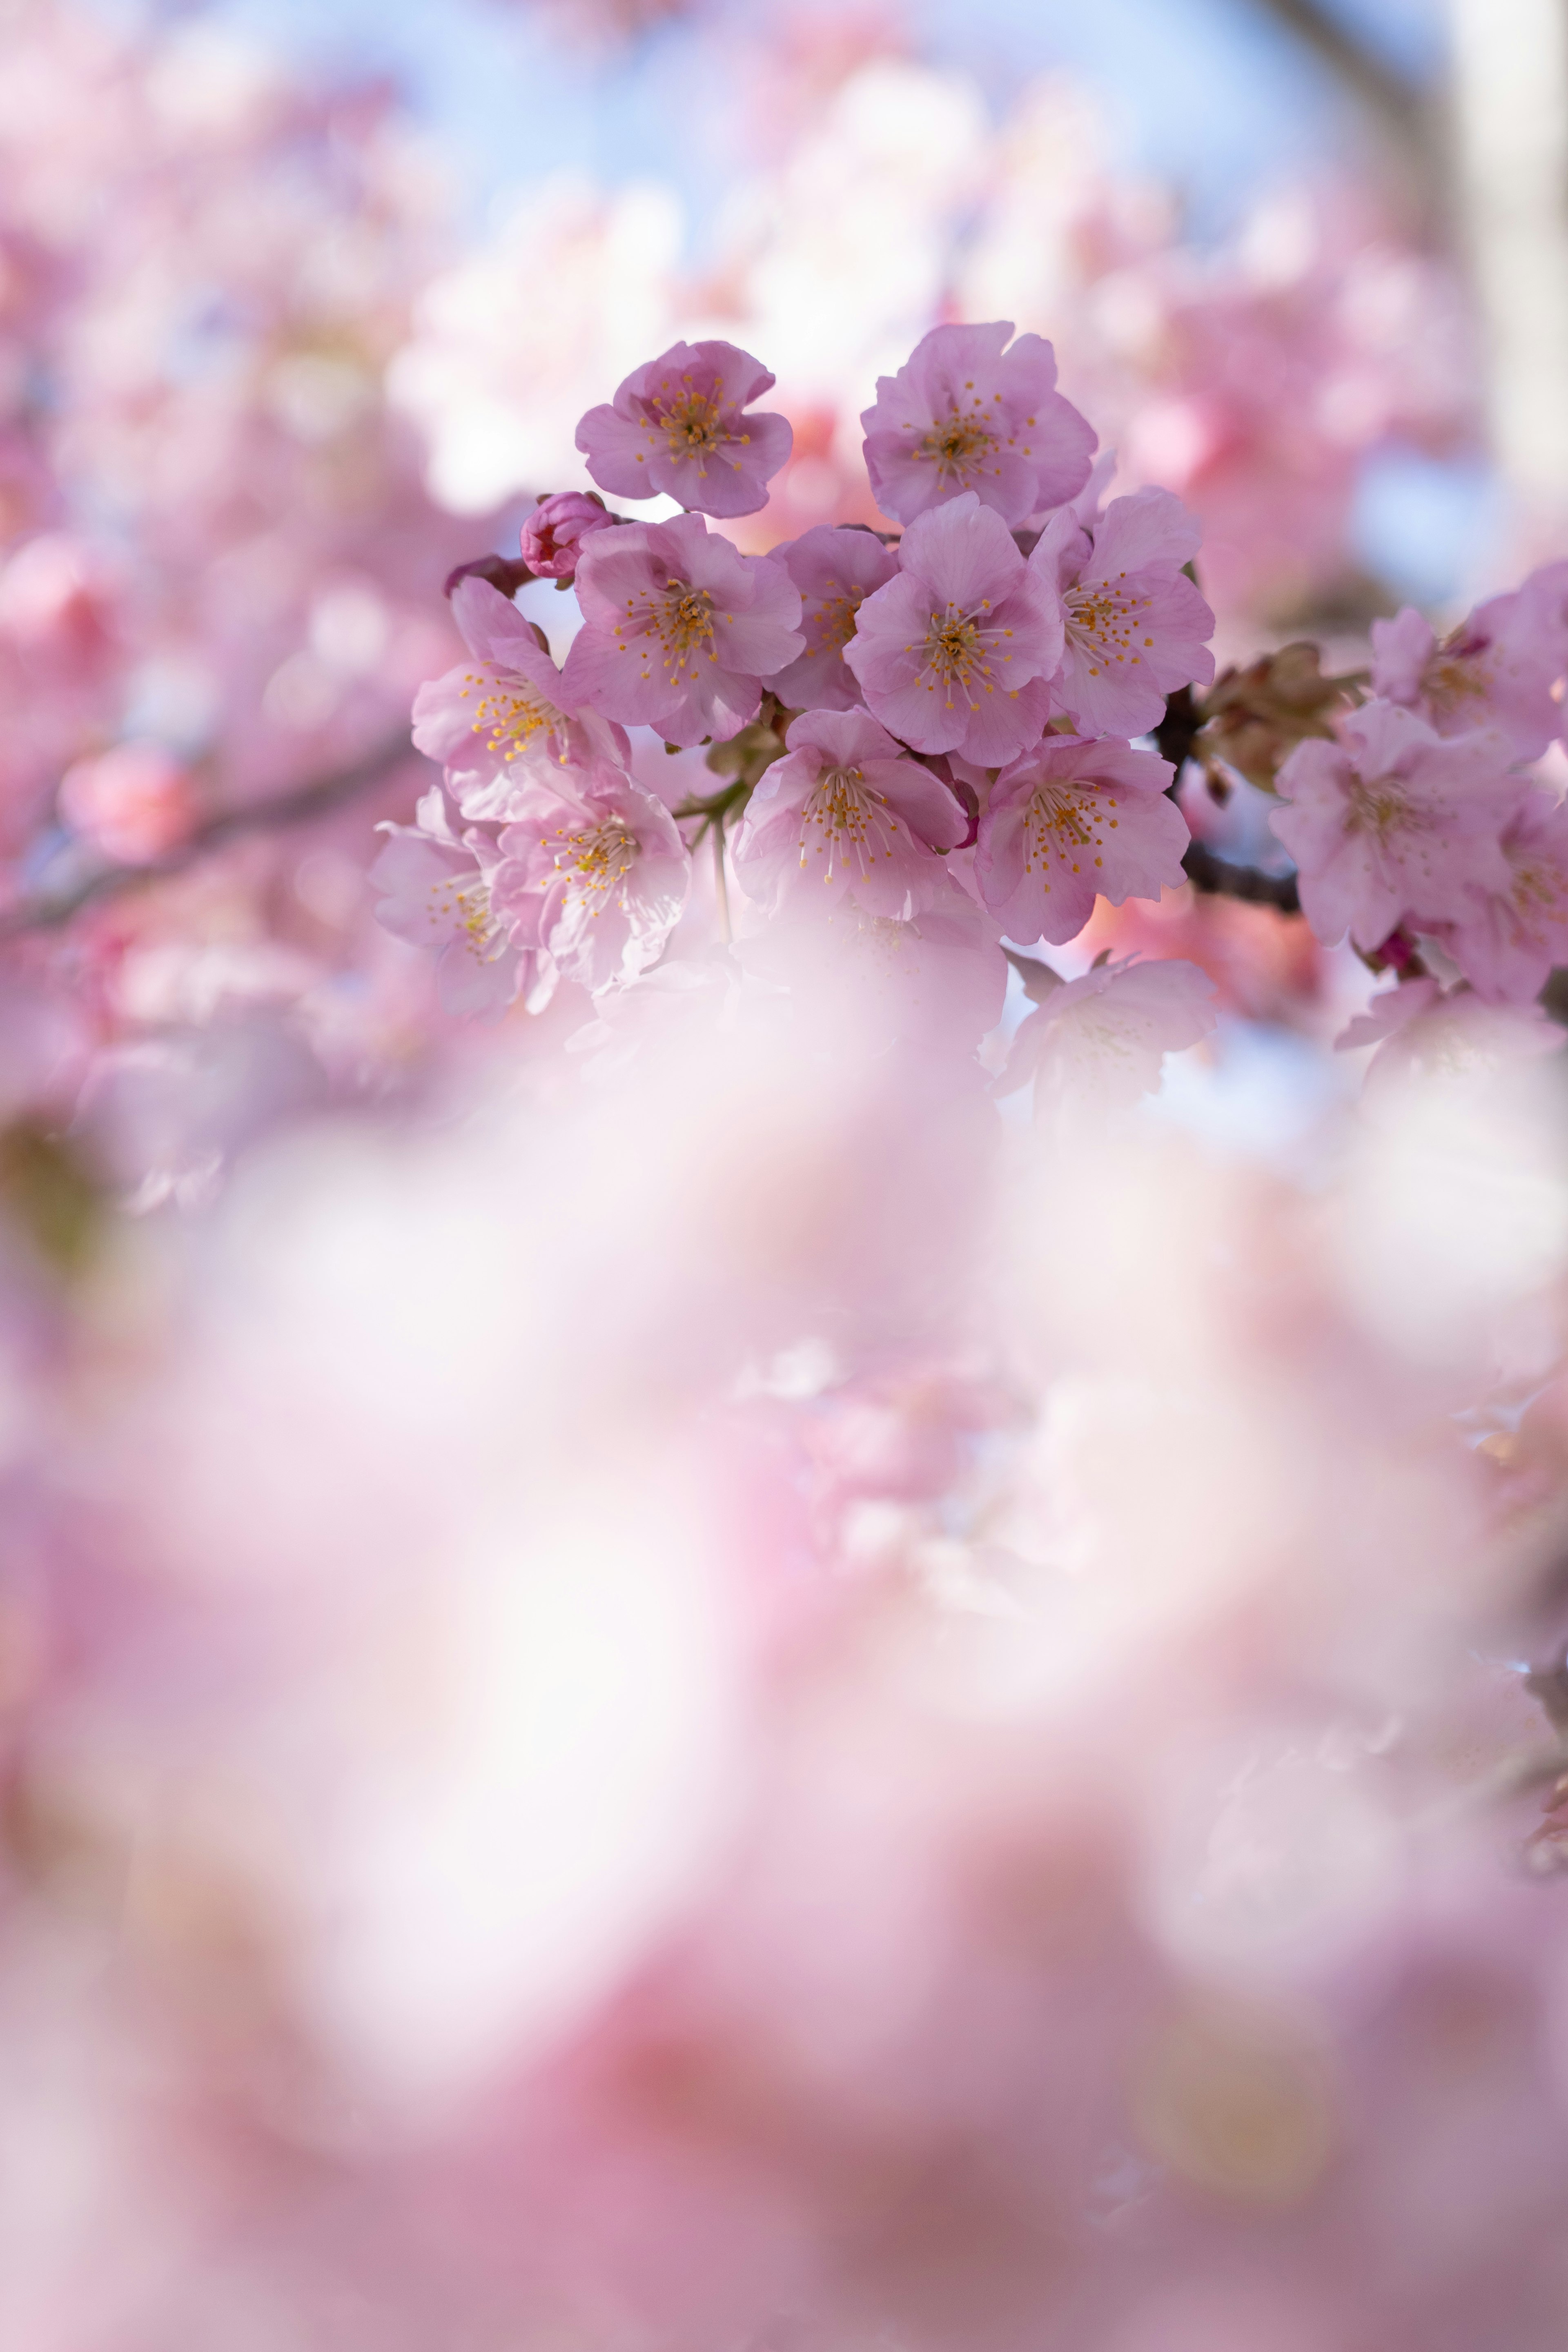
<point x="79" y="887"/>
<point x="1399" y="107"/>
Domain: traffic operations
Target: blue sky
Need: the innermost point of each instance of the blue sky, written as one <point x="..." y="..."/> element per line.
<point x="1209" y="94"/>
<point x="1212" y="96"/>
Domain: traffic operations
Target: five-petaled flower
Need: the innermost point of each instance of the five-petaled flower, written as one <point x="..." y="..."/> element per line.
<point x="1507" y="940"/>
<point x="846" y="813"/>
<point x="834" y="569"/>
<point x="1391" y="822"/>
<point x="436" y="887"/>
<point x="594" y="874"/>
<point x="505" y="711"/>
<point x="1070" y="821"/>
<point x="966" y="411"/>
<point x="678" y="629"/>
<point x="1099" y="1042"/>
<point x="1498" y="668"/>
<point x="682" y="424"/>
<point x="1136" y="627"/>
<point x="954" y="654"/>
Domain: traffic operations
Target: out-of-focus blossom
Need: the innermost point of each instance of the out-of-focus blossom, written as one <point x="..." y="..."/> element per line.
<point x="954" y="653"/>
<point x="679" y="630"/>
<point x="683" y="425"/>
<point x="835" y="571"/>
<point x="1496" y="670"/>
<point x="435" y="888"/>
<point x="848" y="814"/>
<point x="1099" y="1042"/>
<point x="134" y="804"/>
<point x="1506" y="942"/>
<point x="1393" y="820"/>
<point x="971" y="410"/>
<point x="1073" y="821"/>
<point x="935" y="977"/>
<point x="1136" y="628"/>
<point x="1423" y="1032"/>
<point x="494" y="718"/>
<point x="594" y="874"/>
<point x="556" y="529"/>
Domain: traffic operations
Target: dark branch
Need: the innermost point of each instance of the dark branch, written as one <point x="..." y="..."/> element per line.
<point x="1399" y="107"/>
<point x="78" y="887"/>
<point x="1218" y="878"/>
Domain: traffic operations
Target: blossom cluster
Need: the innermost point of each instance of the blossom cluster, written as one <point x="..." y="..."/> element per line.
<point x="950" y="709"/>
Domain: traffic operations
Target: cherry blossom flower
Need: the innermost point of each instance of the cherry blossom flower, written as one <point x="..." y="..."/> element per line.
<point x="1099" y="1042"/>
<point x="594" y="874"/>
<point x="1497" y="670"/>
<point x="972" y="411"/>
<point x="938" y="977"/>
<point x="134" y="804"/>
<point x="954" y="654"/>
<point x="555" y="531"/>
<point x="1420" y="1031"/>
<point x="505" y="711"/>
<point x="436" y="891"/>
<point x="679" y="630"/>
<point x="834" y="569"/>
<point x="1071" y="821"/>
<point x="678" y="425"/>
<point x="1507" y="940"/>
<point x="1136" y="627"/>
<point x="1393" y="820"/>
<point x="848" y="813"/>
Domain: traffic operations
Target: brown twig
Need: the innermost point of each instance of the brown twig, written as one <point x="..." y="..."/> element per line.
<point x="1218" y="878"/>
<point x="47" y="908"/>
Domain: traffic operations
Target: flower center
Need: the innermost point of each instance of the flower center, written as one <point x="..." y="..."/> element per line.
<point x="1381" y="806"/>
<point x="850" y="823"/>
<point x="680" y="617"/>
<point x="1453" y="678"/>
<point x="957" y="652"/>
<point x="833" y="619"/>
<point x="956" y="445"/>
<point x="693" y="423"/>
<point x="1101" y="619"/>
<point x="599" y="860"/>
<point x="464" y="907"/>
<point x="1066" y="825"/>
<point x="509" y="712"/>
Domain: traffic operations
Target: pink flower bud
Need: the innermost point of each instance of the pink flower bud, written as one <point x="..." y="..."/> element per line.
<point x="134" y="804"/>
<point x="557" y="528"/>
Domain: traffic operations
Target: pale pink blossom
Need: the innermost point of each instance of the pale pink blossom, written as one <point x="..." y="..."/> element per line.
<point x="594" y="874"/>
<point x="1101" y="1042"/>
<point x="134" y="804"/>
<point x="436" y="893"/>
<point x="1136" y="627"/>
<point x="681" y="426"/>
<point x="553" y="533"/>
<point x="971" y="410"/>
<point x="505" y="711"/>
<point x="835" y="571"/>
<point x="848" y="814"/>
<point x="1420" y="1031"/>
<point x="954" y="654"/>
<point x="678" y="629"/>
<point x="1393" y="820"/>
<point x="1506" y="942"/>
<point x="938" y="978"/>
<point x="1071" y="821"/>
<point x="1496" y="670"/>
